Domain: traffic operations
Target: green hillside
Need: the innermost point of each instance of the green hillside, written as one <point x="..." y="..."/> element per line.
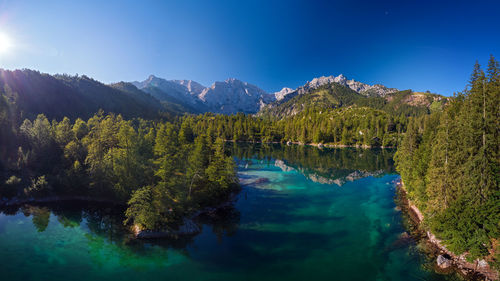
<point x="31" y="93"/>
<point x="334" y="95"/>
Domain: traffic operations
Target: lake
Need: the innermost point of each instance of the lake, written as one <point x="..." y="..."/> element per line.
<point x="303" y="214"/>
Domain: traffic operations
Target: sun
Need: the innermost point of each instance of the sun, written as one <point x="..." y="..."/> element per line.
<point x="5" y="43"/>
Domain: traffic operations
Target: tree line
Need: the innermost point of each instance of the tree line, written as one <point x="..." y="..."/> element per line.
<point x="449" y="162"/>
<point x="356" y="126"/>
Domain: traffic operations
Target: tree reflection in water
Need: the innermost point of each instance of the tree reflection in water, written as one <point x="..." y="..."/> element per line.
<point x="104" y="226"/>
<point x="326" y="165"/>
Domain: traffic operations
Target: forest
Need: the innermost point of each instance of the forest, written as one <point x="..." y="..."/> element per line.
<point x="449" y="162"/>
<point x="330" y="115"/>
<point x="344" y="126"/>
<point x="161" y="170"/>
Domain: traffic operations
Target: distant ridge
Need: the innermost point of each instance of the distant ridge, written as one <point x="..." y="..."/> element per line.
<point x="232" y="95"/>
<point x="80" y="96"/>
<point x="359" y="87"/>
<point x="32" y="92"/>
<point x="228" y="97"/>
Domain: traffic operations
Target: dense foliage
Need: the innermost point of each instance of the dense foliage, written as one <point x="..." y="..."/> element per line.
<point x="161" y="174"/>
<point x="450" y="165"/>
<point x="343" y="126"/>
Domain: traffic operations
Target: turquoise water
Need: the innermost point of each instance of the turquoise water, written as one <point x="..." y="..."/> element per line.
<point x="303" y="214"/>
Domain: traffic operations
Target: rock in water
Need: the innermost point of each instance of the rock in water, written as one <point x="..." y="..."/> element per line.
<point x="443" y="261"/>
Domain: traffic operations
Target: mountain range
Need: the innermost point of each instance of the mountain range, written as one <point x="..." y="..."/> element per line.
<point x="32" y="92"/>
<point x="227" y="97"/>
<point x="232" y="95"/>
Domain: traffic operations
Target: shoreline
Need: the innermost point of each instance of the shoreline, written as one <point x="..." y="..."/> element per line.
<point x="478" y="270"/>
<point x="318" y="145"/>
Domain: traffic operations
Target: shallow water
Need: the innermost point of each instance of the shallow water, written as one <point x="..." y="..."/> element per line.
<point x="303" y="214"/>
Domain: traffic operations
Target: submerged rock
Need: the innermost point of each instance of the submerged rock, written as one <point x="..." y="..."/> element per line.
<point x="262" y="181"/>
<point x="404" y="235"/>
<point x="443" y="261"/>
<point x="254" y="181"/>
<point x="402" y="242"/>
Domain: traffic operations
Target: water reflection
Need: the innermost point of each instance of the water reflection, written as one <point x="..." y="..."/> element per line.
<point x="292" y="229"/>
<point x="103" y="224"/>
<point x="326" y="165"/>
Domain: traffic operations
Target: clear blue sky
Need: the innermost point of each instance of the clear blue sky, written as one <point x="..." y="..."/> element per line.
<point x="405" y="44"/>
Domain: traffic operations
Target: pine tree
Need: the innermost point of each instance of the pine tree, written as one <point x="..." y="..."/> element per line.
<point x="197" y="162"/>
<point x="438" y="175"/>
<point x="63" y="132"/>
<point x="166" y="156"/>
<point x="186" y="133"/>
<point x="216" y="171"/>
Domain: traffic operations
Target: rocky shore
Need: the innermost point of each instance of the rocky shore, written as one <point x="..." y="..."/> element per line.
<point x="476" y="270"/>
<point x="319" y="145"/>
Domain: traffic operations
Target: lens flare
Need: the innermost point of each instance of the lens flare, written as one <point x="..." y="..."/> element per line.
<point x="5" y="43"/>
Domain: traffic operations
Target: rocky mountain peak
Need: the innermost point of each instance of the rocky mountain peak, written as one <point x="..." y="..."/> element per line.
<point x="282" y="93"/>
<point x="151" y="78"/>
<point x="233" y="80"/>
<point x="193" y="87"/>
<point x="362" y="88"/>
<point x="323" y="80"/>
<point x="234" y="95"/>
<point x="339" y="79"/>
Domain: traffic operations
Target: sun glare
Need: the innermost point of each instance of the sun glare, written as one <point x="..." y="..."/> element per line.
<point x="5" y="43"/>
